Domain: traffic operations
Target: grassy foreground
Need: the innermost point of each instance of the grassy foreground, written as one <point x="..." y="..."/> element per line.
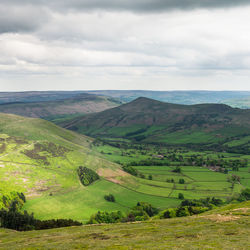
<point x="225" y="228"/>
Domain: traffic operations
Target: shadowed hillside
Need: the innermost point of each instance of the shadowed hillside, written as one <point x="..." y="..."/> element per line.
<point x="147" y="120"/>
<point x="64" y="108"/>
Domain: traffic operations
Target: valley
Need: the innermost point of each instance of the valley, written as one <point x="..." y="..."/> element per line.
<point x="41" y="159"/>
<point x="130" y="158"/>
<point x="124" y="125"/>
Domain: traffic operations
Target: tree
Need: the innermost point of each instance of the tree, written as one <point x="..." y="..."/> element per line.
<point x="245" y="195"/>
<point x="109" y="198"/>
<point x="180" y="196"/>
<point x="150" y="177"/>
<point x="181" y="181"/>
<point x="177" y="170"/>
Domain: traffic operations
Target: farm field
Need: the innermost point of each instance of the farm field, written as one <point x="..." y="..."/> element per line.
<point x="161" y="180"/>
<point x="41" y="160"/>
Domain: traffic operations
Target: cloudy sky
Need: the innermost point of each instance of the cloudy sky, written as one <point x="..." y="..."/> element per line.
<point x="124" y="44"/>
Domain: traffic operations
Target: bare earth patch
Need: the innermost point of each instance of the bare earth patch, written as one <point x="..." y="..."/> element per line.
<point x="112" y="175"/>
<point x="221" y="218"/>
<point x="243" y="209"/>
<point x="37" y="191"/>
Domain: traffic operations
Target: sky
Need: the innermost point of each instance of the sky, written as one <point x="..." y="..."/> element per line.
<point x="124" y="44"/>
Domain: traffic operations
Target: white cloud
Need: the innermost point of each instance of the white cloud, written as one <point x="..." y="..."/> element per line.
<point x="198" y="49"/>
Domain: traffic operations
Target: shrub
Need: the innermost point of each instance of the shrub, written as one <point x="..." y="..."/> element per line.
<point x="244" y="195"/>
<point x="109" y="198"/>
<point x="177" y="170"/>
<point x="137" y="214"/>
<point x="105" y="217"/>
<point x="148" y="208"/>
<point x="197" y="210"/>
<point x="14" y="219"/>
<point x="169" y="213"/>
<point x="180" y="196"/>
<point x="182" y="211"/>
<point x="181" y="181"/>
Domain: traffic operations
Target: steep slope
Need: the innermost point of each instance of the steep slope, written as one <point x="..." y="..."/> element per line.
<point x="148" y="120"/>
<point x="41" y="160"/>
<point x="78" y="104"/>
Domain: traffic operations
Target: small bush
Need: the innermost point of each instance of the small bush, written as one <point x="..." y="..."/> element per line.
<point x="244" y="195"/>
<point x="177" y="170"/>
<point x="109" y="198"/>
<point x="181" y="181"/>
<point x="180" y="196"/>
<point x="169" y="213"/>
<point x="182" y="211"/>
<point x="105" y="217"/>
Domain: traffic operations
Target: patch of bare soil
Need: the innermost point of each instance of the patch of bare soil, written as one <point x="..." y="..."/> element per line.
<point x="222" y="218"/>
<point x="112" y="175"/>
<point x="243" y="209"/>
<point x="38" y="189"/>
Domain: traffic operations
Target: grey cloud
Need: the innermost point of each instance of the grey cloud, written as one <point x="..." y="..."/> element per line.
<point x="25" y="18"/>
<point x="131" y="5"/>
<point x="149" y="5"/>
<point x="29" y="15"/>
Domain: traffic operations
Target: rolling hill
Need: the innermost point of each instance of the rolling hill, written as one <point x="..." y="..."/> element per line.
<point x="36" y="96"/>
<point x="150" y="121"/>
<point x="223" y="228"/>
<point x="181" y="97"/>
<point x="41" y="160"/>
<point x="239" y="103"/>
<point x="62" y="108"/>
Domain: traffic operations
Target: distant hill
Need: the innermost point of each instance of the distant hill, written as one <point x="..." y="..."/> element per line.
<point x="147" y="120"/>
<point x="233" y="98"/>
<point x="180" y="97"/>
<point x="36" y="96"/>
<point x="70" y="106"/>
<point x="243" y="103"/>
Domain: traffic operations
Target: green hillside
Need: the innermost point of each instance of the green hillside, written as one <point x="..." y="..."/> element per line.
<point x="224" y="228"/>
<point x="41" y="160"/>
<point x="145" y="120"/>
<point x="60" y="109"/>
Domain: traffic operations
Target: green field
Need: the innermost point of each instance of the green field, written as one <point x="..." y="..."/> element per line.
<point x="223" y="228"/>
<point x="41" y="160"/>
